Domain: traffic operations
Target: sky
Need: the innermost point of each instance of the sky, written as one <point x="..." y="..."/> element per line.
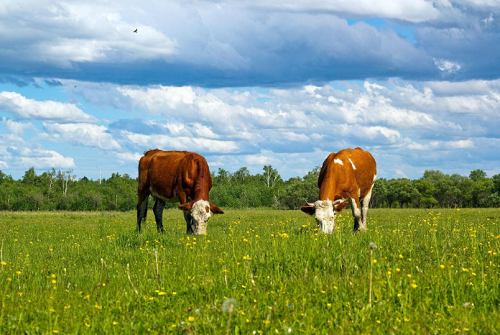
<point x="250" y="83"/>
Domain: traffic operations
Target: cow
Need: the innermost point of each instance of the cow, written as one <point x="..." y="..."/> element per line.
<point x="347" y="174"/>
<point x="176" y="176"/>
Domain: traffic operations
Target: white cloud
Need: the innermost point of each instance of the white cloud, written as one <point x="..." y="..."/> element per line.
<point x="181" y="143"/>
<point x="447" y="66"/>
<point x="39" y="158"/>
<point x="25" y="108"/>
<point x="81" y="134"/>
<point x="17" y="128"/>
<point x="204" y="131"/>
<point x="63" y="32"/>
<point x="442" y="145"/>
<point x="157" y="99"/>
<point x="408" y="10"/>
<point x="128" y="157"/>
<point x="269" y="126"/>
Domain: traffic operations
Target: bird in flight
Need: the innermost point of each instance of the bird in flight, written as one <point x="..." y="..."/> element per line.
<point x="135" y="31"/>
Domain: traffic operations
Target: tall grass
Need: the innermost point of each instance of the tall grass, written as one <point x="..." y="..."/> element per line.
<point x="433" y="272"/>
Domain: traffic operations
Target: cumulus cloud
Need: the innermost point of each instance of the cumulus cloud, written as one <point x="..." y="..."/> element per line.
<point x="24" y="108"/>
<point x="38" y="158"/>
<point x="17" y="128"/>
<point x="202" y="145"/>
<point x="65" y="32"/>
<point x="234" y="44"/>
<point x="411" y="10"/>
<point x="81" y="134"/>
<point x="128" y="157"/>
<point x="408" y="125"/>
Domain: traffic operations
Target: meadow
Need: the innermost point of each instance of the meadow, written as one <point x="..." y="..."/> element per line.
<point x="256" y="272"/>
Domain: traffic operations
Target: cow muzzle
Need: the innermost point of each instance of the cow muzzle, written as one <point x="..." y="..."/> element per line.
<point x="327" y="225"/>
<point x="201" y="229"/>
<point x="197" y="229"/>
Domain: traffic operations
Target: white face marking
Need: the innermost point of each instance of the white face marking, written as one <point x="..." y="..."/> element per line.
<point x="338" y="161"/>
<point x="351" y="163"/>
<point x="325" y="215"/>
<point x="200" y="216"/>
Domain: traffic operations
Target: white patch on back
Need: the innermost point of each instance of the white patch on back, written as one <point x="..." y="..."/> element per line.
<point x="338" y="161"/>
<point x="374" y="177"/>
<point x="351" y="163"/>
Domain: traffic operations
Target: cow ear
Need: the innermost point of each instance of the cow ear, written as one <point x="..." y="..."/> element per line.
<point x="309" y="209"/>
<point x="341" y="206"/>
<point x="186" y="207"/>
<point x="215" y="209"/>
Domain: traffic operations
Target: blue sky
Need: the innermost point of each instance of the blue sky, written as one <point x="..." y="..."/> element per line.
<point x="248" y="83"/>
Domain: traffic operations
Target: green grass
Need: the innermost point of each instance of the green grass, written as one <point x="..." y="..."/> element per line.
<point x="434" y="271"/>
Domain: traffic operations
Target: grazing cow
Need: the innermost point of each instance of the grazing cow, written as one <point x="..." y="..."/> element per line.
<point x="172" y="176"/>
<point x="347" y="174"/>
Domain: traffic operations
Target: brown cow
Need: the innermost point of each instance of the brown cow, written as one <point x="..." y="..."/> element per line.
<point x="171" y="176"/>
<point x="347" y="174"/>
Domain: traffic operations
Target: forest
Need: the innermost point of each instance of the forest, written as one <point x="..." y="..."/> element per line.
<point x="61" y="190"/>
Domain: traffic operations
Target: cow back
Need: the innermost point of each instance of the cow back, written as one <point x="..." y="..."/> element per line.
<point x="163" y="172"/>
<point x="346" y="171"/>
<point x="171" y="173"/>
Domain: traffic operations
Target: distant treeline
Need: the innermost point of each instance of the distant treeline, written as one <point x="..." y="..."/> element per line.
<point x="61" y="190"/>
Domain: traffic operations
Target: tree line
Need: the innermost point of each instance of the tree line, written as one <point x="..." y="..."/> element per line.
<point x="61" y="190"/>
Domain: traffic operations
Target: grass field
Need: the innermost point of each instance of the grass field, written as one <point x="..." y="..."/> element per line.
<point x="434" y="271"/>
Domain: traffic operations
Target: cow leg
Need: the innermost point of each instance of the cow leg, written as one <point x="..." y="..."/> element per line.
<point x="364" y="209"/>
<point x="356" y="213"/>
<point x="187" y="217"/>
<point x="142" y="209"/>
<point x="158" y="211"/>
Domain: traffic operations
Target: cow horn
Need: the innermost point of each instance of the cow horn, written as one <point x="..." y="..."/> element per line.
<point x="309" y="204"/>
<point x="339" y="201"/>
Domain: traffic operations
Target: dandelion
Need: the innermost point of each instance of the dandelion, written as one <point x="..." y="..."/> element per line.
<point x="191" y="319"/>
<point x="468" y="304"/>
<point x="4" y="263"/>
<point x="161" y="293"/>
<point x="442" y="266"/>
<point x="229" y="305"/>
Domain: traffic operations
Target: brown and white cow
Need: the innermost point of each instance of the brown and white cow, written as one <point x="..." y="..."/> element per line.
<point x="347" y="174"/>
<point x="176" y="176"/>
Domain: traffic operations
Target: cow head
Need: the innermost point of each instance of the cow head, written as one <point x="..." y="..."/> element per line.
<point x="197" y="214"/>
<point x="324" y="212"/>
